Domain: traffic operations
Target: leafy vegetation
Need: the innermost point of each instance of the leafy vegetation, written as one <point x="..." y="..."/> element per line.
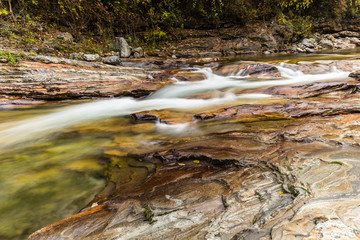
<point x="10" y="58"/>
<point x="148" y="214"/>
<point x="152" y="21"/>
<point x="336" y="162"/>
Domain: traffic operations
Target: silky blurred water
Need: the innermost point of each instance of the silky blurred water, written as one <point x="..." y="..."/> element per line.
<point x="52" y="157"/>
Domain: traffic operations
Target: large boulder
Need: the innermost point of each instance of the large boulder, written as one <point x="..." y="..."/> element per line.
<point x="122" y="46"/>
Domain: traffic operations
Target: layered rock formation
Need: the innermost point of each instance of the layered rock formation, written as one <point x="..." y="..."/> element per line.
<point x="63" y="79"/>
<point x="278" y="171"/>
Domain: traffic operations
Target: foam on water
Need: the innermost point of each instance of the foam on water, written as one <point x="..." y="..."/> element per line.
<point x="217" y="82"/>
<point x="169" y="97"/>
<point x="175" y="128"/>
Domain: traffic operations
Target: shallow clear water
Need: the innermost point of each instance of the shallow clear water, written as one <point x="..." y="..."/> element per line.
<point x="53" y="158"/>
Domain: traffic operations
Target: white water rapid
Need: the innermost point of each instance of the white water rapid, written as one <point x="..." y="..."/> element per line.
<point x="170" y="97"/>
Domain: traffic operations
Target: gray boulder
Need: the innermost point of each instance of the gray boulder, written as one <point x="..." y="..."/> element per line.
<point x="123" y="47"/>
<point x="326" y="43"/>
<point x="91" y="57"/>
<point x="112" y="60"/>
<point x="138" y="52"/>
<point x="309" y="43"/>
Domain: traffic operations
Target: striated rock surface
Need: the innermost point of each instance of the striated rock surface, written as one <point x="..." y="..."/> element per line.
<point x="32" y="82"/>
<point x="279" y="171"/>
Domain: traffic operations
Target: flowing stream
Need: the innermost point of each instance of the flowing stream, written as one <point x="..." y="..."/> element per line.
<point x="51" y="157"/>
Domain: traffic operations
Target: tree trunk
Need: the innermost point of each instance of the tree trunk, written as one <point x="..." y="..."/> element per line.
<point x="10" y="9"/>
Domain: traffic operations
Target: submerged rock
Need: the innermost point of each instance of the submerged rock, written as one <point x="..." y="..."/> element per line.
<point x="355" y="75"/>
<point x="253" y="70"/>
<point x="141" y="117"/>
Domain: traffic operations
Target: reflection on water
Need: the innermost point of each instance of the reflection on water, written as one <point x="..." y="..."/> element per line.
<point x="47" y="182"/>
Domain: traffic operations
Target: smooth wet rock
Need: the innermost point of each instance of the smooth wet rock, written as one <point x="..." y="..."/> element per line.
<point x="141" y="118"/>
<point x="279" y="180"/>
<point x="121" y="44"/>
<point x="355" y="75"/>
<point x="253" y="70"/>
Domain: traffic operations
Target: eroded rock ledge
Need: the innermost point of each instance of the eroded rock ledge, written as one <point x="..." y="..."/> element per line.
<point x="283" y="171"/>
<point x="36" y="82"/>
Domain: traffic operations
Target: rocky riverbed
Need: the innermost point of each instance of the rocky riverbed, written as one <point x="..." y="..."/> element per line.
<point x="232" y="150"/>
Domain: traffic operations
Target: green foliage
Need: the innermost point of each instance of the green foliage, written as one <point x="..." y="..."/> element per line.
<point x="4" y="12"/>
<point x="302" y="27"/>
<point x="337" y="162"/>
<point x="9" y="57"/>
<point x="353" y="8"/>
<point x="157" y="18"/>
<point x="258" y="195"/>
<point x="148" y="214"/>
<point x="6" y="33"/>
